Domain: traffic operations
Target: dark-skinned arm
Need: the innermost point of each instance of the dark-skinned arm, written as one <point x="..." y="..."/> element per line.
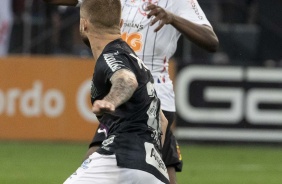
<point x="201" y="35"/>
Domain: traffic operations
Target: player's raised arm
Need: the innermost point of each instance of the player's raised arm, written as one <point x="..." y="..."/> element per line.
<point x="200" y="34"/>
<point x="62" y="2"/>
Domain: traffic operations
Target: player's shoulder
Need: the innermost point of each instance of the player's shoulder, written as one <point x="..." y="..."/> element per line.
<point x="113" y="55"/>
<point x="116" y="51"/>
<point x="117" y="47"/>
<point x="114" y="59"/>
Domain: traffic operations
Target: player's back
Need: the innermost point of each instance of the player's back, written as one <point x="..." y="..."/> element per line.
<point x="142" y="106"/>
<point x="134" y="130"/>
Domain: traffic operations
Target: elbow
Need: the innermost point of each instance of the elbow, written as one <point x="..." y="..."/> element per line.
<point x="130" y="82"/>
<point x="213" y="45"/>
<point x="211" y="40"/>
<point x="134" y="84"/>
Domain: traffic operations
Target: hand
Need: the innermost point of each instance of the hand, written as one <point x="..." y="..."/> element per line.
<point x="160" y="14"/>
<point x="100" y="107"/>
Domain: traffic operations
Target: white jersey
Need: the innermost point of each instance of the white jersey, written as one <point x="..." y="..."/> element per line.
<point x="155" y="49"/>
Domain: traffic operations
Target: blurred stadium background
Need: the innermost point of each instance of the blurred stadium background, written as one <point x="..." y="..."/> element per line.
<point x="229" y="121"/>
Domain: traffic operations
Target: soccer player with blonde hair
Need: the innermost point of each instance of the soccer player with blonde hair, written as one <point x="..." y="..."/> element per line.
<point x="124" y="100"/>
<point x="152" y="29"/>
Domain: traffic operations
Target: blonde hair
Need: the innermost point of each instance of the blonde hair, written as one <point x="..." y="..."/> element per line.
<point x="104" y="14"/>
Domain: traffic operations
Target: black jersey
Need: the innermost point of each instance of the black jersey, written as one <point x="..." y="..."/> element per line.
<point x="133" y="131"/>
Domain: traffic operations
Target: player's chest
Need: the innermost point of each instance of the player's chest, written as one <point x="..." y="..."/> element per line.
<point x="136" y="9"/>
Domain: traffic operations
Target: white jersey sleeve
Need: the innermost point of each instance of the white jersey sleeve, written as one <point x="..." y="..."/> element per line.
<point x="191" y="10"/>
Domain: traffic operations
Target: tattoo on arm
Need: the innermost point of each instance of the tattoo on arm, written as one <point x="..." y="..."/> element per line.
<point x="124" y="84"/>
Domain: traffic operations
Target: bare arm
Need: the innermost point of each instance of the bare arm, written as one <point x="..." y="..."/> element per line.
<point x="124" y="83"/>
<point x="62" y="2"/>
<point x="164" y="124"/>
<point x="201" y="35"/>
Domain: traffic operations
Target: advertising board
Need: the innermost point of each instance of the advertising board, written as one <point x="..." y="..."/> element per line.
<point x="233" y="103"/>
<point x="46" y="98"/>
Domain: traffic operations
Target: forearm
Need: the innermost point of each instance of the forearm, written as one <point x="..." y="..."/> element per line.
<point x="63" y="2"/>
<point x="201" y="35"/>
<point x="164" y="124"/>
<point x="124" y="84"/>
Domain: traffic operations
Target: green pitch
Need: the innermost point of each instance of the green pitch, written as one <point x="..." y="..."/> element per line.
<point x="52" y="163"/>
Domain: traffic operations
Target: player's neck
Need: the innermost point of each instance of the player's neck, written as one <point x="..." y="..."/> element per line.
<point x="99" y="41"/>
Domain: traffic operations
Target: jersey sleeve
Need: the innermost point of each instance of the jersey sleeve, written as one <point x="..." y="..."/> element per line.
<point x="191" y="10"/>
<point x="114" y="62"/>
